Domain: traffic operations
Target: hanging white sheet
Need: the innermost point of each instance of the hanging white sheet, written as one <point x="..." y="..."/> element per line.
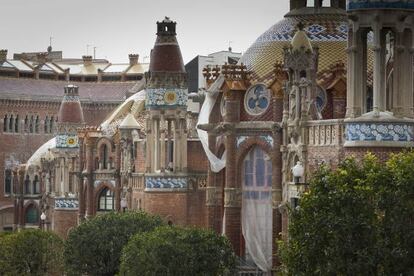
<point x="257" y="207"/>
<point x="216" y="163"/>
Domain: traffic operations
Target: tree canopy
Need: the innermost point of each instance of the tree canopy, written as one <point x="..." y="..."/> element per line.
<point x="31" y="252"/>
<point x="178" y="251"/>
<point x="355" y="220"/>
<point x="95" y="246"/>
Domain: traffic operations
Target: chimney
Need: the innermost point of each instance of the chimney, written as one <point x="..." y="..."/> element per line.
<point x="133" y="59"/>
<point x="87" y="60"/>
<point x="3" y="55"/>
<point x="71" y="90"/>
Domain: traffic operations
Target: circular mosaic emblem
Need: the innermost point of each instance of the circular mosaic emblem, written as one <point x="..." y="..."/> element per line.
<point x="170" y="97"/>
<point x="257" y="99"/>
<point x="71" y="141"/>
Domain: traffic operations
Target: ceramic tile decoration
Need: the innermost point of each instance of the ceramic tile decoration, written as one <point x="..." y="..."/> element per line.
<point x="165" y="183"/>
<point x="166" y="97"/>
<point x="379" y="132"/>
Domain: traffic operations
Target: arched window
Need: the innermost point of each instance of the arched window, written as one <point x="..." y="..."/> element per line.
<point x="46" y="125"/>
<point x="106" y="200"/>
<point x="36" y="184"/>
<point x="5" y="121"/>
<point x="257" y="206"/>
<point x="31" y="124"/>
<point x="27" y="185"/>
<point x="8" y="181"/>
<point x="16" y="124"/>
<point x="32" y="215"/>
<point x="37" y="123"/>
<point x="104" y="156"/>
<point x="11" y="124"/>
<point x="51" y="124"/>
<point x="26" y="124"/>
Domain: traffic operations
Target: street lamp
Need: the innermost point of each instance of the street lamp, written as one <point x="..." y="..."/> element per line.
<point x="123" y="204"/>
<point x="298" y="170"/>
<point x="43" y="220"/>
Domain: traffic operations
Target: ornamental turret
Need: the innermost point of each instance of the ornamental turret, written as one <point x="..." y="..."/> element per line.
<point x="69" y="119"/>
<point x="166" y="101"/>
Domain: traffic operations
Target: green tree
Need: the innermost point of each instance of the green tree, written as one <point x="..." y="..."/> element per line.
<point x="396" y="209"/>
<point x="94" y="247"/>
<point x="178" y="251"/>
<point x="31" y="252"/>
<point x="355" y="220"/>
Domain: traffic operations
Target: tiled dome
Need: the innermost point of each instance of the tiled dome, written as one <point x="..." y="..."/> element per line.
<point x="328" y="31"/>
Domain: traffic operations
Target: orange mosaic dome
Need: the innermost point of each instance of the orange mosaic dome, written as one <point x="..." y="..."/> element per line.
<point x="326" y="28"/>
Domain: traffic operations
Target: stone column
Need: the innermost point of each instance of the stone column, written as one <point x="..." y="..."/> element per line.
<point x="183" y="142"/>
<point x="17" y="192"/>
<point x="408" y="74"/>
<point x="232" y="189"/>
<point x="212" y="202"/>
<point x="118" y="187"/>
<point x="398" y="75"/>
<point x="276" y="190"/>
<point x="176" y="154"/>
<point x="90" y="211"/>
<point x="81" y="193"/>
<point x="149" y="146"/>
<point x="162" y="143"/>
<point x="20" y="203"/>
<point x="379" y="63"/>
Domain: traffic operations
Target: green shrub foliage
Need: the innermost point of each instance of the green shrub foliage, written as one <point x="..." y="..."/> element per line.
<point x="178" y="251"/>
<point x="31" y="252"/>
<point x="355" y="220"/>
<point x="95" y="246"/>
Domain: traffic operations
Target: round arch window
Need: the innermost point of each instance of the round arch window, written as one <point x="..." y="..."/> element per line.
<point x="257" y="99"/>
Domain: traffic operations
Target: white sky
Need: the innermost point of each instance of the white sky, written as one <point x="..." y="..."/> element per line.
<point x="120" y="27"/>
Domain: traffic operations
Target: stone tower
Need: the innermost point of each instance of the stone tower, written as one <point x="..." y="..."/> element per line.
<point x="389" y="122"/>
<point x="166" y="103"/>
<point x="70" y="118"/>
<point x="301" y="65"/>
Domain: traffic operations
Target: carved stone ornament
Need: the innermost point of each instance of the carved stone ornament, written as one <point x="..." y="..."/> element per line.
<point x="232" y="197"/>
<point x="211" y="196"/>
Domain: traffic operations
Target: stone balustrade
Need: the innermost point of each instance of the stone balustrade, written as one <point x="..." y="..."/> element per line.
<point x="325" y="132"/>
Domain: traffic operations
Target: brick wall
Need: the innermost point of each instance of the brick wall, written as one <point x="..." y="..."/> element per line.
<point x="63" y="221"/>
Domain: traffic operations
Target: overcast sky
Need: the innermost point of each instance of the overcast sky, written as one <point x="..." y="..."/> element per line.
<point x="120" y="27"/>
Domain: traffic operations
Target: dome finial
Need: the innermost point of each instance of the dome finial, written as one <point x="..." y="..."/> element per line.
<point x="300" y="40"/>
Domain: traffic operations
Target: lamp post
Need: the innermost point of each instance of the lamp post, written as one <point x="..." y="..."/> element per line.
<point x="43" y="220"/>
<point x="298" y="172"/>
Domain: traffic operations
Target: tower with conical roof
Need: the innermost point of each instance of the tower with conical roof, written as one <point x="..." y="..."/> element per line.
<point x="69" y="119"/>
<point x="166" y="102"/>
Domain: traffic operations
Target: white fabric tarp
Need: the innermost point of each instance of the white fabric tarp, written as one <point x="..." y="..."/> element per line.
<point x="257" y="208"/>
<point x="216" y="163"/>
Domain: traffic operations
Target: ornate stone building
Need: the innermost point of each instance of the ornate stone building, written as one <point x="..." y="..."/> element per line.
<point x="30" y="95"/>
<point x="312" y="89"/>
<point x="293" y="100"/>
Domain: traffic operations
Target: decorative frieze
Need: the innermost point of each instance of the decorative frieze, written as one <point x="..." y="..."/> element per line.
<point x="165" y="183"/>
<point x="384" y="131"/>
<point x="232" y="197"/>
<point x="267" y="138"/>
<point x="166" y="97"/>
<point x="212" y="196"/>
<point x="66" y="203"/>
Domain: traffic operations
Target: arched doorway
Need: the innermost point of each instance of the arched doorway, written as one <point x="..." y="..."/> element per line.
<point x="31" y="215"/>
<point x="257" y="207"/>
